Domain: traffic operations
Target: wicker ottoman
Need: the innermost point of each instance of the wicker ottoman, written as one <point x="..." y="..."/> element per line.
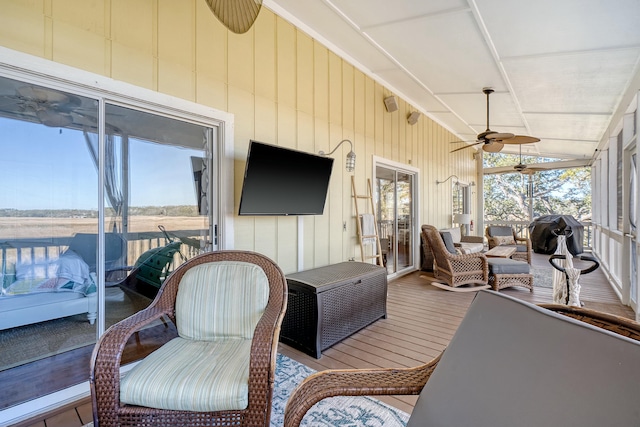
<point x="504" y="273"/>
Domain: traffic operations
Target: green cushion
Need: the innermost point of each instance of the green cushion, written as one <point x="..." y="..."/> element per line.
<point x="191" y="375"/>
<point x="7" y="274"/>
<point x="221" y="300"/>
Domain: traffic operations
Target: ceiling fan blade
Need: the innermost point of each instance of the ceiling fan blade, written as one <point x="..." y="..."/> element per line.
<point x="54" y="119"/>
<point x="466" y="146"/>
<point x="521" y="139"/>
<point x="457" y="142"/>
<point x="52" y="98"/>
<point x="41" y="94"/>
<point x="500" y="137"/>
<point x="493" y="147"/>
<point x="536" y="168"/>
<point x="527" y="171"/>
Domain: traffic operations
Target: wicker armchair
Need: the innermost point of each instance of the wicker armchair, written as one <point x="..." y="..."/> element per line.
<point x="495" y="234"/>
<point x="197" y="284"/>
<point x="411" y="381"/>
<point x="456" y="270"/>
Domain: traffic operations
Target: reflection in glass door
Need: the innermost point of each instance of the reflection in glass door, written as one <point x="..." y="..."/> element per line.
<point x="159" y="180"/>
<point x="394" y="195"/>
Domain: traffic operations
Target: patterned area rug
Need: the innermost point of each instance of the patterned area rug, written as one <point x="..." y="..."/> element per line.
<point x="334" y="411"/>
<point x="542" y="277"/>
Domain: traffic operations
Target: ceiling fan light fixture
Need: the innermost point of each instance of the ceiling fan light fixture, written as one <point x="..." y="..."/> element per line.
<point x="492" y="146"/>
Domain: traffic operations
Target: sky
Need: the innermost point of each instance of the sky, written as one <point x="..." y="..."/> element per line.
<point x="51" y="168"/>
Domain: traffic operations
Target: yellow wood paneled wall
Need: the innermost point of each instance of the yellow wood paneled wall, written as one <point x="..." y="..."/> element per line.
<point x="282" y="86"/>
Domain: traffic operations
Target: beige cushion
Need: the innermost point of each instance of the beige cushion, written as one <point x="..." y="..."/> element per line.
<point x="470" y="247"/>
<point x="221" y="300"/>
<point x="504" y="240"/>
<point x="191" y="375"/>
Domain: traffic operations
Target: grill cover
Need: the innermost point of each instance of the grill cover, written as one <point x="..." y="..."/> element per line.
<point x="543" y="241"/>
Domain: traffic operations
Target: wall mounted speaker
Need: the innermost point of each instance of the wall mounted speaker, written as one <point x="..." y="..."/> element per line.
<point x="413" y="118"/>
<point x="391" y="103"/>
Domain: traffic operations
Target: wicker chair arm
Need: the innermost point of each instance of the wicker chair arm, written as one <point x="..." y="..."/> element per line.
<point x="464" y="265"/>
<point x="468" y="263"/>
<point x="463" y="257"/>
<point x="464" y="262"/>
<point x="107" y="353"/>
<point x="355" y="382"/>
<point x="472" y="239"/>
<point x="492" y="242"/>
<point x="610" y="322"/>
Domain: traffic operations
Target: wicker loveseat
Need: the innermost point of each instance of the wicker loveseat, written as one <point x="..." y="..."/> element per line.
<point x="510" y="363"/>
<point x="498" y="235"/>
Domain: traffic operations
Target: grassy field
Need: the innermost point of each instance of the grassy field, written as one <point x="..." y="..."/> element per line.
<point x="12" y="228"/>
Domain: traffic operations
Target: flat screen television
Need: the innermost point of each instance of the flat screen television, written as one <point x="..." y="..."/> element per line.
<point x="281" y="181"/>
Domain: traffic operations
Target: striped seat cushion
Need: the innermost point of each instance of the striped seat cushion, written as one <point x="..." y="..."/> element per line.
<point x="221" y="300"/>
<point x="191" y="375"/>
<point x="207" y="367"/>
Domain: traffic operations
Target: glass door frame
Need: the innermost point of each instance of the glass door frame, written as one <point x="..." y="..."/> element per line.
<point x="42" y="72"/>
<point x="415" y="219"/>
<point x="631" y="205"/>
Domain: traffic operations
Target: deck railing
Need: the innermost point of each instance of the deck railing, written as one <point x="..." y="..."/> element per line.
<point x="44" y="250"/>
<point x="522" y="230"/>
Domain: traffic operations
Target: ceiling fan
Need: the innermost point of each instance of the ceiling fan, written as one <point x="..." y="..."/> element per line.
<point x="493" y="142"/>
<point x="47" y="106"/>
<point x="527" y="169"/>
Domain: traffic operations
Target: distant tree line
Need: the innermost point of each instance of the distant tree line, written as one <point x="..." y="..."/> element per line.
<point x="562" y="191"/>
<point x="182" y="210"/>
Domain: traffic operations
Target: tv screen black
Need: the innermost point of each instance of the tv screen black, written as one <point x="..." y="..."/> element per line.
<point x="281" y="181"/>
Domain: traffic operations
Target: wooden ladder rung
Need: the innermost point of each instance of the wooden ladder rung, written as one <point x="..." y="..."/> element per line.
<point x="375" y="236"/>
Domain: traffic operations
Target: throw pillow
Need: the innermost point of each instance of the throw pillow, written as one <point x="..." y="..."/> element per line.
<point x="504" y="240"/>
<point x="448" y="241"/>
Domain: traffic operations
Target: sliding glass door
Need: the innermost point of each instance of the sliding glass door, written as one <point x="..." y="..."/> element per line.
<point x="92" y="190"/>
<point x="396" y="224"/>
<point x="632" y="236"/>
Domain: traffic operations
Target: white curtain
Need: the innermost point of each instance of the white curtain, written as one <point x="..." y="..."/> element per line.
<point x="113" y="181"/>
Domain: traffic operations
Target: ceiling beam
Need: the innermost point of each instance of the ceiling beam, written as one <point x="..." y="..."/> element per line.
<point x="564" y="164"/>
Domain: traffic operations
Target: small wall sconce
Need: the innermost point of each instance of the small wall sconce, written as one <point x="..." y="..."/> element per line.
<point x="450" y="176"/>
<point x="351" y="156"/>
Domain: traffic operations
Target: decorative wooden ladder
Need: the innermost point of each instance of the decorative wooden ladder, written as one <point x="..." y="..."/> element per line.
<point x="361" y="237"/>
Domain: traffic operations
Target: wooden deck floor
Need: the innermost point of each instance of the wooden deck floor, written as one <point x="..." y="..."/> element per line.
<point x="421" y="320"/>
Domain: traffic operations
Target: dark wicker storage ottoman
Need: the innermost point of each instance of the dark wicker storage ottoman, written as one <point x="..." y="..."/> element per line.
<point x="328" y="304"/>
